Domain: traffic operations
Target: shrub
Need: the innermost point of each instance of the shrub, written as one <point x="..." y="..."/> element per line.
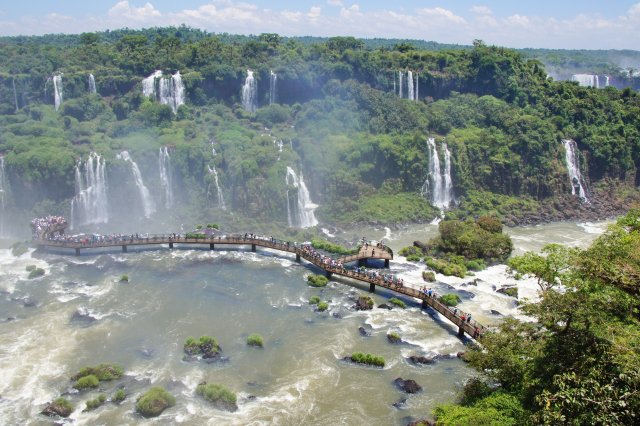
<point x="414" y="258"/>
<point x="38" y="272"/>
<point x="124" y="278"/>
<point x="92" y="404"/>
<point x="218" y="395"/>
<point x="87" y="382"/>
<point x="446" y="268"/>
<point x="510" y="291"/>
<point x="206" y="346"/>
<point x="119" y="396"/>
<point x="368" y="359"/>
<point x="450" y="299"/>
<point x="475" y="265"/>
<point x="327" y="246"/>
<point x="410" y="250"/>
<point x="213" y="226"/>
<point x="394" y="337"/>
<point x="255" y="340"/>
<point x="315" y="280"/>
<point x="397" y="302"/>
<point x="103" y="372"/>
<point x="198" y="227"/>
<point x="314" y="300"/>
<point x="154" y="402"/>
<point x="195" y="235"/>
<point x="322" y="306"/>
<point x="429" y="276"/>
<point x="61" y="407"/>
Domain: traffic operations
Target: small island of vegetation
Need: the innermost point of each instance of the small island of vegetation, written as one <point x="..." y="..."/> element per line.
<point x="218" y="395"/>
<point x="153" y="402"/>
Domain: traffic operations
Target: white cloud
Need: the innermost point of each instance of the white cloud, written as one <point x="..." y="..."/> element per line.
<point x="441" y="14"/>
<point x="122" y="10"/>
<point x="334" y="3"/>
<point x="314" y="12"/>
<point x="481" y="10"/>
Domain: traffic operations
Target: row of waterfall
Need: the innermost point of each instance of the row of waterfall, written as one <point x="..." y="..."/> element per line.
<point x="438" y="186"/>
<point x="578" y="185"/>
<point x="590" y="80"/>
<point x="4" y="189"/>
<point x="411" y="84"/>
<point x="300" y="208"/>
<point x="168" y="90"/>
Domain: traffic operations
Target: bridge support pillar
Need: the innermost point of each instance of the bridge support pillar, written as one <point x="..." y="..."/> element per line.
<point x="298" y="257"/>
<point x="77" y="252"/>
<point x="372" y="288"/>
<point x="424" y="304"/>
<point x="460" y="331"/>
<point x="253" y="248"/>
<point x="212" y="246"/>
<point x="328" y="274"/>
<point x="362" y="262"/>
<point x="386" y="263"/>
<point x="124" y="249"/>
<point x="171" y="245"/>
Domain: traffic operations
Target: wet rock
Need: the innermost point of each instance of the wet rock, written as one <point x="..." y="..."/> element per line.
<point x="401" y="403"/>
<point x="384" y="306"/>
<point x="511" y="291"/>
<point x="463" y="356"/>
<point x="420" y="359"/>
<point x="29" y="303"/>
<point x="421" y="422"/>
<point x="394" y="338"/>
<point x="147" y="352"/>
<point x="408" y="386"/>
<point x="364" y="303"/>
<point x="497" y="313"/>
<point x="82" y="316"/>
<point x="60" y="407"/>
<point x="466" y="294"/>
<point x="364" y="332"/>
<point x="336" y="315"/>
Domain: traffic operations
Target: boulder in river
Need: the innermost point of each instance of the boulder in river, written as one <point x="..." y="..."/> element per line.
<point x="364" y="303"/>
<point x="364" y="332"/>
<point x="60" y="407"/>
<point x="408" y="386"/>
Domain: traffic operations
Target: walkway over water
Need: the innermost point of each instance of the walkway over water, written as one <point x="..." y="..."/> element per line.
<point x="331" y="266"/>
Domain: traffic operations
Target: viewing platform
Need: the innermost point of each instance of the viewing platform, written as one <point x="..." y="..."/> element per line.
<point x="53" y="237"/>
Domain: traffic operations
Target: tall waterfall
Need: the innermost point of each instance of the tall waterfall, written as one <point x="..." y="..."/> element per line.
<point x="168" y="90"/>
<point x="15" y="93"/>
<point x="220" y="197"/>
<point x="57" y="90"/>
<point x="573" y="166"/>
<point x="301" y="214"/>
<point x="586" y="80"/>
<point x="166" y="178"/>
<point x="417" y="92"/>
<point x="438" y="186"/>
<point x="92" y="84"/>
<point x="4" y="189"/>
<point x="90" y="205"/>
<point x="250" y="93"/>
<point x="606" y="81"/>
<point x="145" y="197"/>
<point x="411" y="94"/>
<point x="411" y="83"/>
<point x="273" y="87"/>
<point x="400" y="84"/>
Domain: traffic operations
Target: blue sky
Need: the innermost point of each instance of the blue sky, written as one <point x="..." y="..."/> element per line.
<point x="587" y="24"/>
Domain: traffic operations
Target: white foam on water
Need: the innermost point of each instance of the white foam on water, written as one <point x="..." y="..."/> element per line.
<point x="595" y="228"/>
<point x="328" y="233"/>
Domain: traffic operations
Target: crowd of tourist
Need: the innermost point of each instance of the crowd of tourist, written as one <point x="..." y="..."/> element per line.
<point x="41" y="225"/>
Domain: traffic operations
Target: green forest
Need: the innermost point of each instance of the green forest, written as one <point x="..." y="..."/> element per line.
<point x="336" y="116"/>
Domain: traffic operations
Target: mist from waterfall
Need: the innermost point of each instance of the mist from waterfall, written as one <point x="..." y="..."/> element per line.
<point x="4" y="191"/>
<point x="438" y="186"/>
<point x="90" y="204"/>
<point x="166" y="176"/>
<point x="300" y="213"/>
<point x="220" y="196"/>
<point x="273" y="87"/>
<point x="92" y="84"/>
<point x="57" y="90"/>
<point x="578" y="186"/>
<point x="249" y="94"/>
<point x="145" y="197"/>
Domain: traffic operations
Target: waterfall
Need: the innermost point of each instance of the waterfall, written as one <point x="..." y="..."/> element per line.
<point x="273" y="87"/>
<point x="57" y="90"/>
<point x="417" y="91"/>
<point x="400" y="84"/>
<point x="15" y="94"/>
<point x="250" y="93"/>
<point x="90" y="206"/>
<point x="304" y="207"/>
<point x="573" y="166"/>
<point x="606" y="81"/>
<point x="164" y="167"/>
<point x="4" y="189"/>
<point x="149" y="84"/>
<point x="586" y="80"/>
<point x="410" y="91"/>
<point x="220" y="196"/>
<point x="92" y="84"/>
<point x="438" y="186"/>
<point x="145" y="197"/>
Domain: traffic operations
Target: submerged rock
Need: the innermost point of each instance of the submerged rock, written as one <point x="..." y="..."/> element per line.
<point x="420" y="359"/>
<point x="385" y="306"/>
<point x="401" y="403"/>
<point x="497" y="313"/>
<point x="60" y="407"/>
<point x="394" y="338"/>
<point x="82" y="315"/>
<point x="408" y="386"/>
<point x="364" y="303"/>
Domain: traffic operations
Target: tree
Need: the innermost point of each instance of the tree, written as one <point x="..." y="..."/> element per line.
<point x="549" y="267"/>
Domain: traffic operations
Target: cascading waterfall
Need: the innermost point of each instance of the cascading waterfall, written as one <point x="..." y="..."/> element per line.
<point x="606" y="81"/>
<point x="438" y="186"/>
<point x="302" y="216"/>
<point x="417" y="94"/>
<point x="57" y="90"/>
<point x="15" y="93"/>
<point x="149" y="84"/>
<point x="92" y="84"/>
<point x="586" y="80"/>
<point x="273" y="87"/>
<point x="4" y="189"/>
<point x="400" y="84"/>
<point x="250" y="93"/>
<point x="90" y="205"/>
<point x="145" y="197"/>
<point x="167" y="90"/>
<point x="411" y="83"/>
<point x="411" y="94"/>
<point x="166" y="178"/>
<point x="220" y="197"/>
<point x="573" y="166"/>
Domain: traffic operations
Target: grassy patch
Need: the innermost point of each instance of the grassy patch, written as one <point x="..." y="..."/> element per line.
<point x="429" y="276"/>
<point x="320" y="244"/>
<point x="218" y="395"/>
<point x="314" y="300"/>
<point x="103" y="372"/>
<point x="154" y="402"/>
<point x="119" y="396"/>
<point x="397" y="302"/>
<point x="446" y="268"/>
<point x="315" y="280"/>
<point x="206" y="346"/>
<point x="124" y="278"/>
<point x="94" y="403"/>
<point x="450" y="299"/>
<point x="35" y="273"/>
<point x="322" y="306"/>
<point x="255" y="339"/>
<point x="367" y="359"/>
<point x="87" y="382"/>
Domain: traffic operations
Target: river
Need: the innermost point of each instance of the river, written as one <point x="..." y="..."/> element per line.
<point x="80" y="314"/>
